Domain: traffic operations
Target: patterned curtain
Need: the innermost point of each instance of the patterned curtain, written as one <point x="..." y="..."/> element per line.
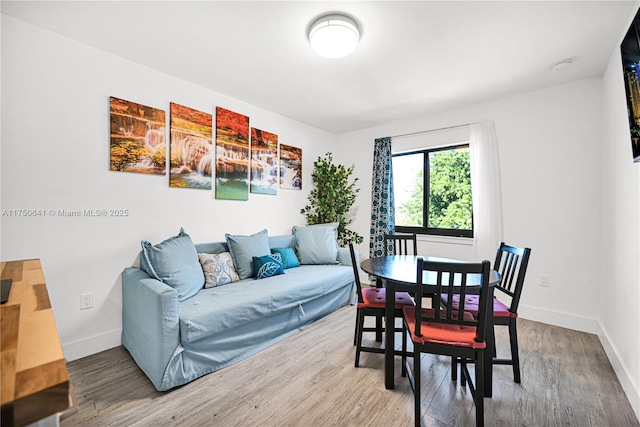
<point x="382" y="204"/>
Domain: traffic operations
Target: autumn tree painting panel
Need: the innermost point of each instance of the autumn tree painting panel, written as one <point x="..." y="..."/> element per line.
<point x="232" y="155"/>
<point x="191" y="148"/>
<point x="137" y="138"/>
<point x="264" y="162"/>
<point x="290" y="167"/>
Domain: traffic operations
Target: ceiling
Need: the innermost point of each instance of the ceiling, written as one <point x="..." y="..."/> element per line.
<point x="414" y="57"/>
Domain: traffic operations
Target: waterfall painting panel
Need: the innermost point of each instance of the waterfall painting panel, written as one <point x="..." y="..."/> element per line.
<point x="232" y="155"/>
<point x="290" y="167"/>
<point x="264" y="162"/>
<point x="138" y="138"/>
<point x="191" y="148"/>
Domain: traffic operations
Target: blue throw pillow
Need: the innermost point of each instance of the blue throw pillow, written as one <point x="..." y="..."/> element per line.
<point x="174" y="262"/>
<point x="267" y="266"/>
<point x="289" y="258"/>
<point x="317" y="244"/>
<point x="244" y="248"/>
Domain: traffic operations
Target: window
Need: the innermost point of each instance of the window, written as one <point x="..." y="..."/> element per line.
<point x="432" y="190"/>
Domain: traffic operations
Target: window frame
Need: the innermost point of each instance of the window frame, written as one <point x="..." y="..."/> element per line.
<point x="433" y="231"/>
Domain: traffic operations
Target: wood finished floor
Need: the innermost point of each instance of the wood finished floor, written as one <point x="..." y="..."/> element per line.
<point x="309" y="380"/>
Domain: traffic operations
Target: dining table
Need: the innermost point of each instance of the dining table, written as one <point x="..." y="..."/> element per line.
<point x="399" y="273"/>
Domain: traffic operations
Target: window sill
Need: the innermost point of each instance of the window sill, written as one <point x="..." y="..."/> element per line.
<point x="465" y="241"/>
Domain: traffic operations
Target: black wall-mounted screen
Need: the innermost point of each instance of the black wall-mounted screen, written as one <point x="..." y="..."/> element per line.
<point x="630" y="50"/>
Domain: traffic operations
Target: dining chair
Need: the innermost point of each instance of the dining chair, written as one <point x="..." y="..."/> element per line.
<point x="371" y="302"/>
<point x="449" y="331"/>
<point x="511" y="262"/>
<point x="398" y="244"/>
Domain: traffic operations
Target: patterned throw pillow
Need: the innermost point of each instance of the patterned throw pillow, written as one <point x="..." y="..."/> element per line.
<point x="289" y="258"/>
<point x="267" y="266"/>
<point x="218" y="269"/>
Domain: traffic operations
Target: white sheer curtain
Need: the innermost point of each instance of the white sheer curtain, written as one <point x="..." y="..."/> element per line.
<point x="486" y="187"/>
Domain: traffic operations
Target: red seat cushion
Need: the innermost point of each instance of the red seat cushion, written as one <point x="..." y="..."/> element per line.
<point x="471" y="305"/>
<point x="441" y="333"/>
<point x="375" y="298"/>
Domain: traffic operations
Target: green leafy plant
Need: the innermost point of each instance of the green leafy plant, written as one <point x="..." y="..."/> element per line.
<point x="332" y="198"/>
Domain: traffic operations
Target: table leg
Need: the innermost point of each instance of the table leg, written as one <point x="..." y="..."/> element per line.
<point x="378" y="318"/>
<point x="488" y="353"/>
<point x="389" y="345"/>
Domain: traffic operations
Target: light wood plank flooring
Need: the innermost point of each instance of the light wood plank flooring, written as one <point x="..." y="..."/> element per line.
<point x="309" y="380"/>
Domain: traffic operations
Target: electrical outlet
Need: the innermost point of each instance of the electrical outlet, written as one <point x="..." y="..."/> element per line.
<point x="86" y="301"/>
<point x="544" y="280"/>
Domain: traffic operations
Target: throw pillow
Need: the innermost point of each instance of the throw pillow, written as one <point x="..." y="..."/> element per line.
<point x="267" y="266"/>
<point x="175" y="263"/>
<point x="317" y="244"/>
<point x="244" y="248"/>
<point x="289" y="258"/>
<point x="218" y="269"/>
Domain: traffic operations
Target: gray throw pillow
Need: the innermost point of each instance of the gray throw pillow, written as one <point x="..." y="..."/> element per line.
<point x="317" y="244"/>
<point x="175" y="263"/>
<point x="244" y="248"/>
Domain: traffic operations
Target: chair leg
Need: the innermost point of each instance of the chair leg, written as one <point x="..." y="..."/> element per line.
<point x="416" y="384"/>
<point x="515" y="358"/>
<point x="359" y="330"/>
<point x="404" y="349"/>
<point x="479" y="397"/>
<point x="463" y="367"/>
<point x="355" y="332"/>
<point x="454" y="368"/>
<point x="379" y="328"/>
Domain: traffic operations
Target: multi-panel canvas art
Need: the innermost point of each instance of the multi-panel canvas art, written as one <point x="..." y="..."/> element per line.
<point x="138" y="138"/>
<point x="191" y="148"/>
<point x="290" y="167"/>
<point x="232" y="155"/>
<point x="264" y="162"/>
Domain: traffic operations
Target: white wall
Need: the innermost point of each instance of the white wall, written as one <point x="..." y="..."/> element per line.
<point x="55" y="155"/>
<point x="550" y="161"/>
<point x="619" y="285"/>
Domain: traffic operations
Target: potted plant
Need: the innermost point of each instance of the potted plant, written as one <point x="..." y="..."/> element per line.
<point x="332" y="197"/>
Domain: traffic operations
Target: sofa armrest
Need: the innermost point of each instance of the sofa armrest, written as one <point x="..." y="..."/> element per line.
<point x="344" y="256"/>
<point x="150" y="322"/>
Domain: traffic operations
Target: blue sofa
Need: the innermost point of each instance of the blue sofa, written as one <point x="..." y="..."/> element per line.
<point x="175" y="341"/>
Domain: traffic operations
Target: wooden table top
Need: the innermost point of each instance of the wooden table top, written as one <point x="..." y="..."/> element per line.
<point x="35" y="381"/>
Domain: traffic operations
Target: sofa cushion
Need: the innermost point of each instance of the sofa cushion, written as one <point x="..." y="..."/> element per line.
<point x="289" y="258"/>
<point x="221" y="309"/>
<point x="244" y="248"/>
<point x="175" y="263"/>
<point x="317" y="244"/>
<point x="218" y="269"/>
<point x="267" y="266"/>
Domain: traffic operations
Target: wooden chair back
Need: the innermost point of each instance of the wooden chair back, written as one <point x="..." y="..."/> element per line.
<point x="453" y="278"/>
<point x="356" y="275"/>
<point x="511" y="262"/>
<point x="399" y="244"/>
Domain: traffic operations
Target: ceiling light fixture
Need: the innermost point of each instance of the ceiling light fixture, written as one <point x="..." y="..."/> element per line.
<point x="565" y="64"/>
<point x="334" y="36"/>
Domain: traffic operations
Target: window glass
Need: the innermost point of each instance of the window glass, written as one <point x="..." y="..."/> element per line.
<point x="433" y="191"/>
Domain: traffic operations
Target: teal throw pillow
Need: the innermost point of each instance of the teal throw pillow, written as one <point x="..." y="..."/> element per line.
<point x="289" y="258"/>
<point x="317" y="244"/>
<point x="244" y="248"/>
<point x="175" y="263"/>
<point x="267" y="266"/>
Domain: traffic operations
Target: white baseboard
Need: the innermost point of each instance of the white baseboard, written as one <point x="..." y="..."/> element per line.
<point x="630" y="388"/>
<point x="592" y="326"/>
<point x="92" y="345"/>
<point x="564" y="320"/>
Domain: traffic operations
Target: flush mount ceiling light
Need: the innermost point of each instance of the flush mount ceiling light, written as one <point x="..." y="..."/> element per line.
<point x="565" y="64"/>
<point x="334" y="36"/>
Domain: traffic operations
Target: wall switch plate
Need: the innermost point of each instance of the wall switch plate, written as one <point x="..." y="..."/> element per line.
<point x="544" y="280"/>
<point x="86" y="301"/>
